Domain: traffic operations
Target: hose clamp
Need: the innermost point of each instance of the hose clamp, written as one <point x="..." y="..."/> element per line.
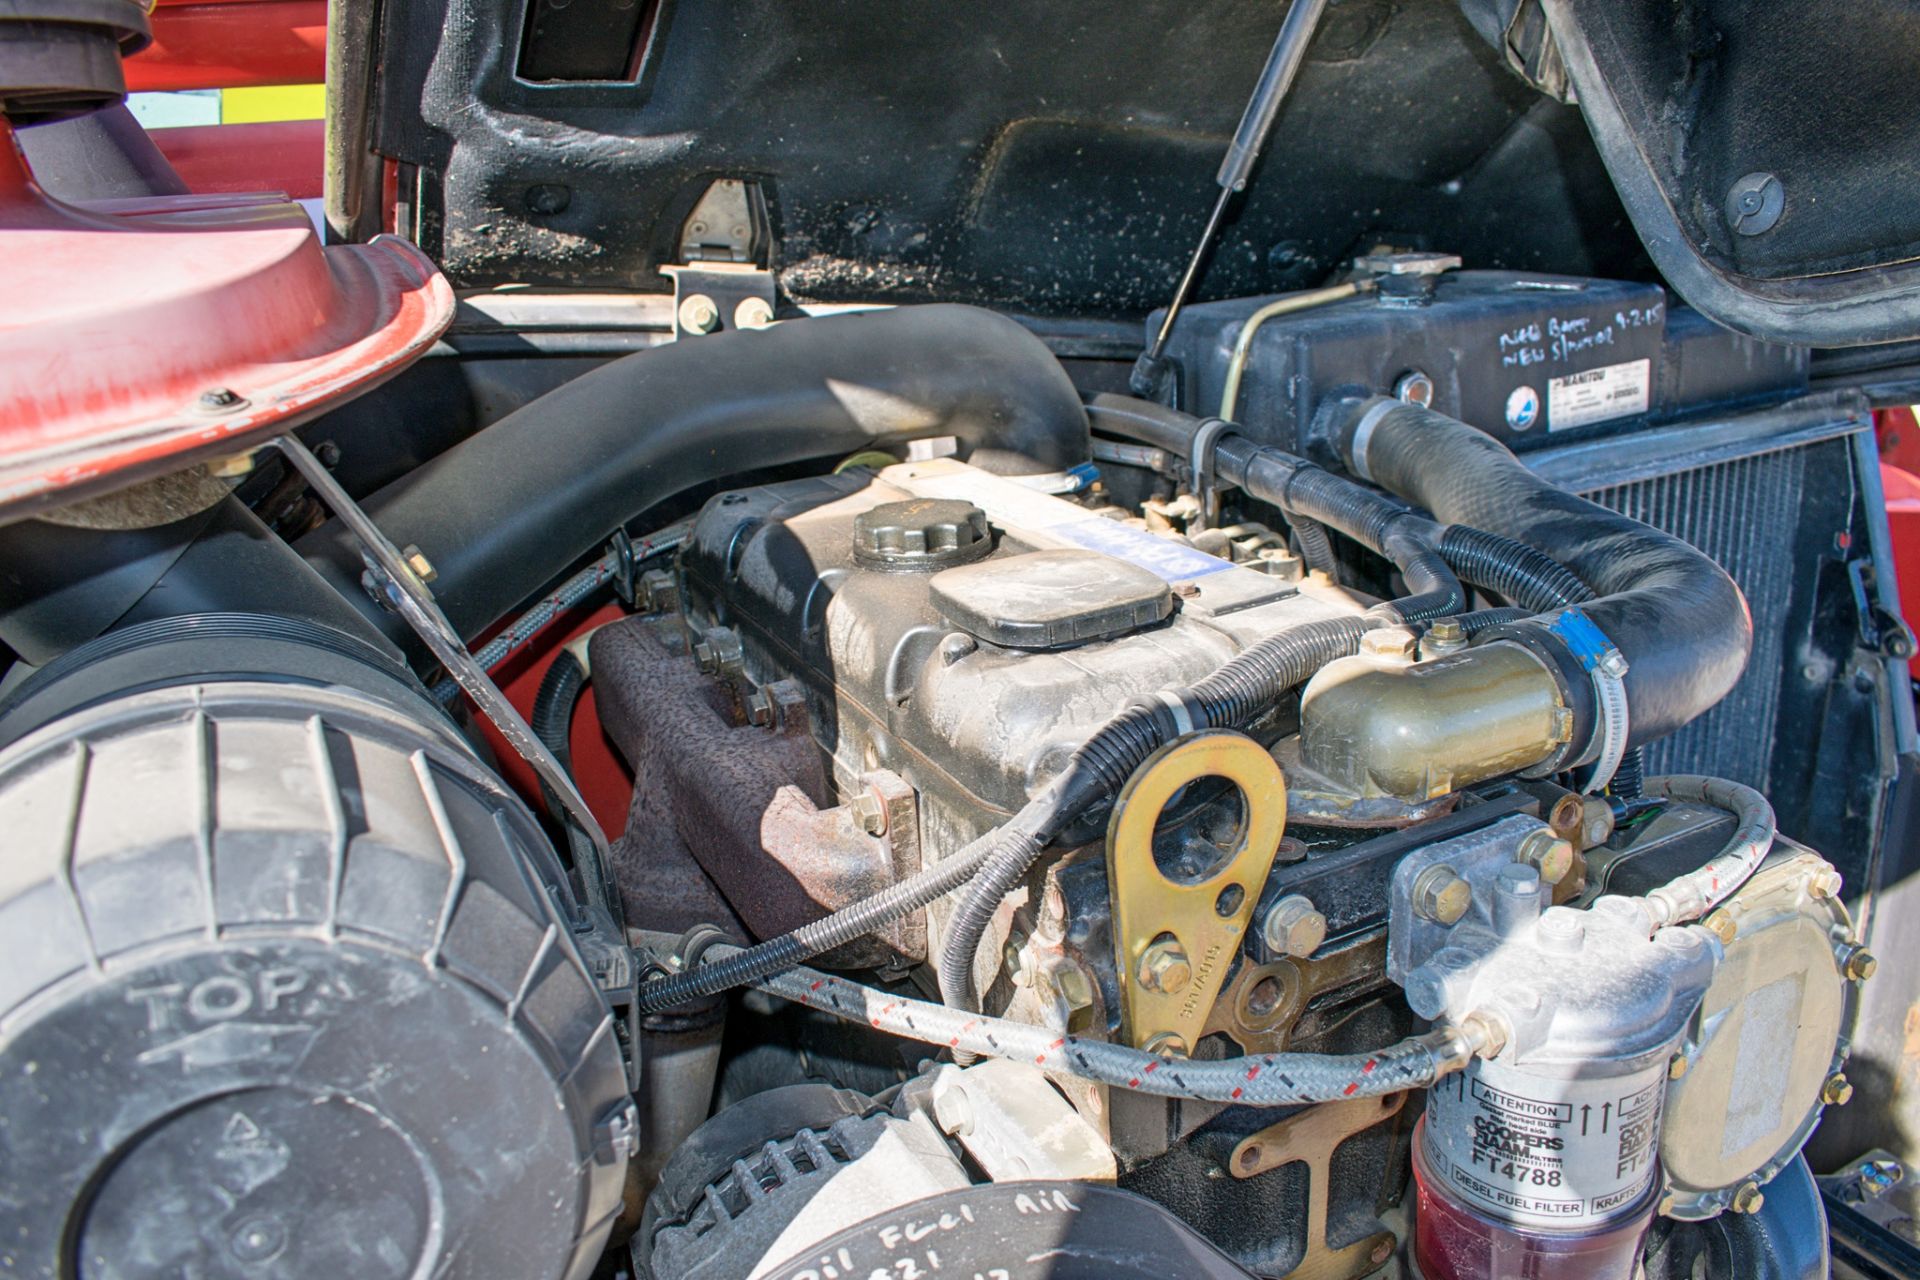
<point x="1363" y="433"/>
<point x="1200" y="458"/>
<point x="1606" y="667"/>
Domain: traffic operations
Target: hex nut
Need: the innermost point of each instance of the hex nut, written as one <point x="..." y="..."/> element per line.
<point x="699" y="314"/>
<point x="1547" y="853"/>
<point x="1441" y="895"/>
<point x="1164" y="967"/>
<point x="1748" y="1198"/>
<point x="1837" y="1091"/>
<point x="1293" y="927"/>
<point x="953" y="1111"/>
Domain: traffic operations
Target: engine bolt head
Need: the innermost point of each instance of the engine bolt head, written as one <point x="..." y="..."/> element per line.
<point x="1547" y="853"/>
<point x="1748" y="1198"/>
<point x="1075" y="990"/>
<point x="1164" y="967"/>
<point x="1723" y="927"/>
<point x="699" y="314"/>
<point x="1293" y="927"/>
<point x="1860" y="963"/>
<point x="1837" y="1091"/>
<point x="1396" y="644"/>
<point x="1441" y="895"/>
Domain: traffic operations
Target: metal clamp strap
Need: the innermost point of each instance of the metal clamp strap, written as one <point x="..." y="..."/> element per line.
<point x="1606" y="667"/>
<point x="1200" y="458"/>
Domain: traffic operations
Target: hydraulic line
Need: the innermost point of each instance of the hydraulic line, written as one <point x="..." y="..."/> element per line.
<point x="1269" y="1080"/>
<point x="1693" y="895"/>
<point x="1243" y="344"/>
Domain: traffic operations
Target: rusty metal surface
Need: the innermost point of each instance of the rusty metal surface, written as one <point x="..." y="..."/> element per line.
<point x="749" y="804"/>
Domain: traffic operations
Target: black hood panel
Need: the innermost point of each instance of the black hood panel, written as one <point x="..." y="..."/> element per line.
<point x="1045" y="157"/>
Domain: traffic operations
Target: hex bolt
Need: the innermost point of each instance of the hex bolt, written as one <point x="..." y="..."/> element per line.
<point x="870" y="812"/>
<point x="1293" y="927"/>
<point x="1748" y="1198"/>
<point x="1723" y="927"/>
<point x="760" y="708"/>
<point x="1164" y="967"/>
<point x="1443" y="637"/>
<point x="1859" y="964"/>
<point x="1075" y="991"/>
<point x="417" y="561"/>
<point x="1396" y="644"/>
<point x="659" y="593"/>
<point x="1441" y="895"/>
<point x="753" y="313"/>
<point x="1837" y="1091"/>
<point x="699" y="313"/>
<point x="1547" y="853"/>
<point x="953" y="1111"/>
<point x="718" y="652"/>
<point x="221" y="400"/>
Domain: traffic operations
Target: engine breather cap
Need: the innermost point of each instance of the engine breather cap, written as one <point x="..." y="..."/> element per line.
<point x="923" y="534"/>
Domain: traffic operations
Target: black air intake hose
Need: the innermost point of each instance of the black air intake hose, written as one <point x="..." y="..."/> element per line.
<point x="503" y="512"/>
<point x="1674" y="614"/>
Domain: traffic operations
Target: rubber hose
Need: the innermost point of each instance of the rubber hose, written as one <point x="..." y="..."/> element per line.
<point x="1316" y="548"/>
<point x="553" y="704"/>
<point x="1511" y="570"/>
<point x="506" y="510"/>
<point x="1675" y="615"/>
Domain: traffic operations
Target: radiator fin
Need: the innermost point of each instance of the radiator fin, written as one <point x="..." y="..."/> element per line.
<point x="1746" y="515"/>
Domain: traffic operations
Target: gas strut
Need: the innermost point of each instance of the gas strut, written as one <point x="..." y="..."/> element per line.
<point x="1256" y="122"/>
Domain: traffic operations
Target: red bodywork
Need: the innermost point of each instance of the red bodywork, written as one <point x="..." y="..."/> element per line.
<point x="143" y="334"/>
<point x="228" y="44"/>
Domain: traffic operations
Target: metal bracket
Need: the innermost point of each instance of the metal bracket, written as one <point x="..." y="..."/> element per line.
<point x="1175" y="941"/>
<point x="409" y="596"/>
<point x="1311" y="1137"/>
<point x="713" y="297"/>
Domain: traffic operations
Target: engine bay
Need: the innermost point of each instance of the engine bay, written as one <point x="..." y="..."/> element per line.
<point x="1403" y="774"/>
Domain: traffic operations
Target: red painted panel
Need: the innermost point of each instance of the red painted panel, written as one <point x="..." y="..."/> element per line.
<point x="598" y="770"/>
<point x="226" y="45"/>
<point x="140" y="335"/>
<point x="287" y="156"/>
<point x="1903" y="523"/>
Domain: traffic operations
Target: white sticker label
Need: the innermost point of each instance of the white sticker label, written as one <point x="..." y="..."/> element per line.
<point x="1545" y="1152"/>
<point x="1599" y="395"/>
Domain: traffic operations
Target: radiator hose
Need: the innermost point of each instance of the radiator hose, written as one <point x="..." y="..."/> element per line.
<point x="1673" y="614"/>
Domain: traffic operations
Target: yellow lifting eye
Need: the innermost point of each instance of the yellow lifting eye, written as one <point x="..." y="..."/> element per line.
<point x="1174" y="941"/>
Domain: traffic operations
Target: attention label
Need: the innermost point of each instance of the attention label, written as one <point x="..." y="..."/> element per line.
<point x="1599" y="395"/>
<point x="1545" y="1151"/>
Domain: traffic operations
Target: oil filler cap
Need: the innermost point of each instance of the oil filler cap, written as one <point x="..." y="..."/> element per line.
<point x="1050" y="599"/>
<point x="924" y="534"/>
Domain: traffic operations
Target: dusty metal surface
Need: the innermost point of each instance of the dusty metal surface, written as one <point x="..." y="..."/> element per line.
<point x="748" y="803"/>
<point x="1311" y="1138"/>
